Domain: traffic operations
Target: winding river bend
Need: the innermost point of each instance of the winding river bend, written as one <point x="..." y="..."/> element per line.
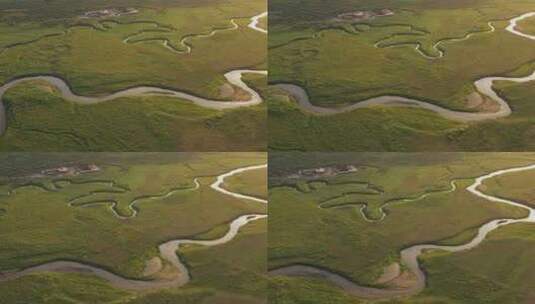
<point x="436" y="46"/>
<point x="514" y="22"/>
<point x="363" y="205"/>
<point x="409" y="256"/>
<point x="167" y="251"/>
<point x="233" y="77"/>
<point x="217" y="185"/>
<point x="255" y="20"/>
<point x="483" y="86"/>
<point x="132" y="207"/>
<point x="510" y="28"/>
<point x="185" y="46"/>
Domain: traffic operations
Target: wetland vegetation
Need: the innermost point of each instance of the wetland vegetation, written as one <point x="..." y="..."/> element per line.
<point x="364" y="228"/>
<point x="160" y="44"/>
<point x="426" y="54"/>
<point x="135" y="228"/>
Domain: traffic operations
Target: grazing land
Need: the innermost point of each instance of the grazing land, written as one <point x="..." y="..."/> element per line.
<point x="130" y="228"/>
<point x="401" y="228"/>
<point x="402" y="76"/>
<point x="171" y="64"/>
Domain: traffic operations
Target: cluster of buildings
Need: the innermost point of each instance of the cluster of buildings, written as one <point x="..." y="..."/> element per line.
<point x="365" y="15"/>
<point x="71" y="170"/>
<point x="110" y="12"/>
<point x="325" y="171"/>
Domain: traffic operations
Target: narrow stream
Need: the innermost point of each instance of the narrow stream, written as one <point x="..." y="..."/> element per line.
<point x="167" y="251"/>
<point x="484" y="86"/>
<point x="255" y="20"/>
<point x="233" y="77"/>
<point x="409" y="256"/>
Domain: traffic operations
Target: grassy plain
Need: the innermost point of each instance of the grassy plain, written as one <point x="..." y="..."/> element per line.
<point x="92" y="55"/>
<point x="250" y="182"/>
<point x="341" y="240"/>
<point x="396" y="129"/>
<point x="516" y="186"/>
<point x="294" y="290"/>
<point x="98" y="70"/>
<point x="38" y="226"/>
<point x="263" y="23"/>
<point x="527" y="26"/>
<point x="338" y="64"/>
<point x="491" y="273"/>
<point x="127" y="124"/>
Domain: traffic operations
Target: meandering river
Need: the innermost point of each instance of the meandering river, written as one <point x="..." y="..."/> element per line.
<point x="233" y="77"/>
<point x="362" y="206"/>
<point x="409" y="256"/>
<point x="255" y="20"/>
<point x="167" y="250"/>
<point x="186" y="47"/>
<point x="484" y="86"/>
<point x="436" y="46"/>
<point x="132" y="206"/>
<point x="514" y="22"/>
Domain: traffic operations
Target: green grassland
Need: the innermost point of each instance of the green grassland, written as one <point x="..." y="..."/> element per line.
<point x="93" y="70"/>
<point x="120" y="65"/>
<point x="341" y="240"/>
<point x="263" y="23"/>
<point x="374" y="129"/>
<point x="338" y="64"/>
<point x="92" y="57"/>
<point x="295" y="290"/>
<point x="498" y="271"/>
<point x="128" y="124"/>
<point x="251" y="182"/>
<point x="527" y="26"/>
<point x="513" y="186"/>
<point x="241" y="279"/>
<point x="38" y="226"/>
<point x="397" y="129"/>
